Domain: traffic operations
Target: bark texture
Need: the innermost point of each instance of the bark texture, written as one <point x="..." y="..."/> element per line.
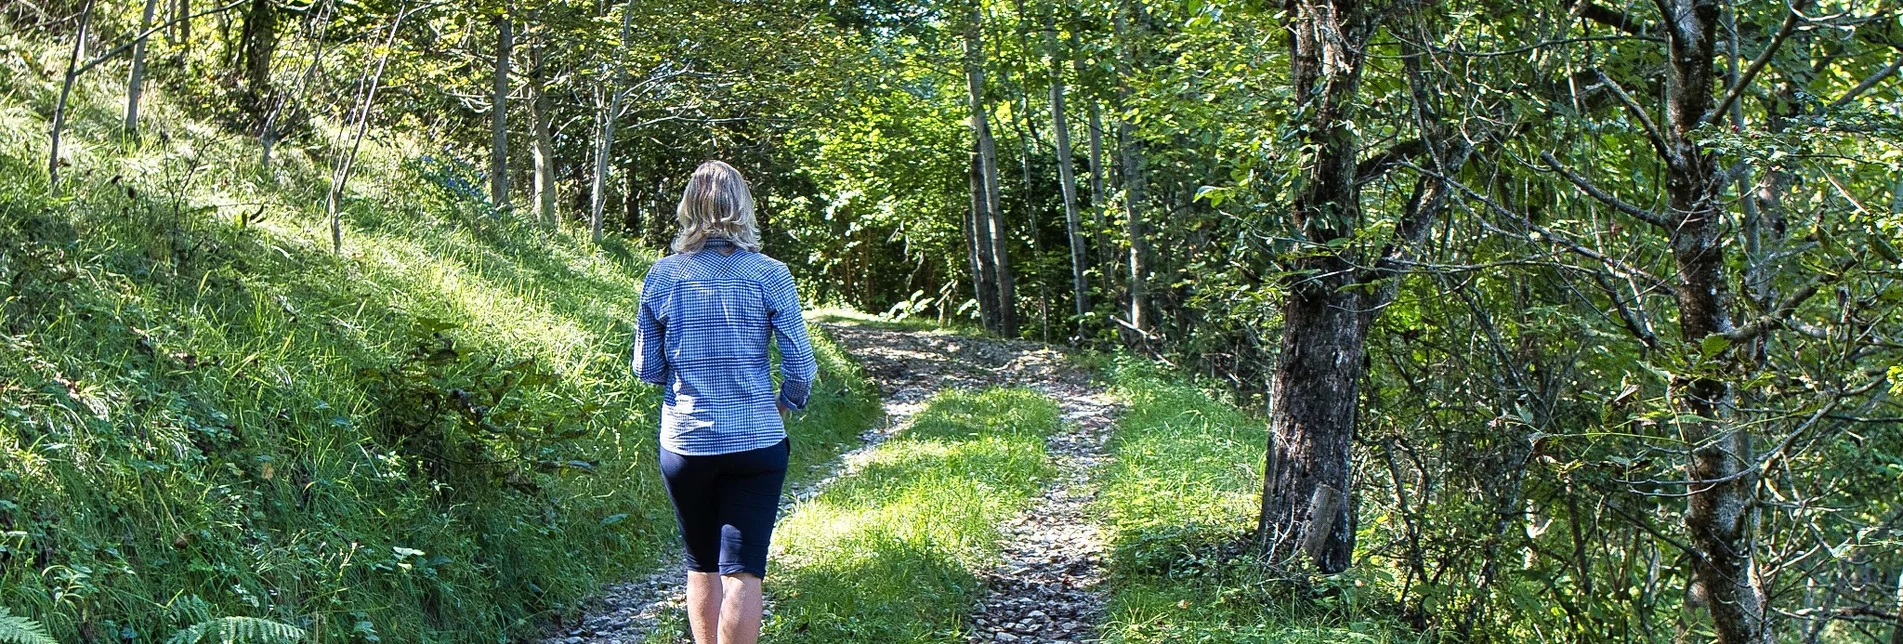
<point x="1719" y="514"/>
<point x="499" y="116"/>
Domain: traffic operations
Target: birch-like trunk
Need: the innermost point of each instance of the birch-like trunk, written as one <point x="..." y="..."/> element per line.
<point x="1066" y="174"/>
<point x="499" y="116"/>
<point x="65" y="93"/>
<point x="993" y="221"/>
<point x="135" y="84"/>
<point x="606" y="113"/>
<point x="541" y="113"/>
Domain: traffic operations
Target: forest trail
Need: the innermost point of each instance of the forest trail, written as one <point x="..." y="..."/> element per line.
<point x="1045" y="588"/>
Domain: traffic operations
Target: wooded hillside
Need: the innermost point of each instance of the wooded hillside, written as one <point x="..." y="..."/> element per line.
<point x="1567" y="320"/>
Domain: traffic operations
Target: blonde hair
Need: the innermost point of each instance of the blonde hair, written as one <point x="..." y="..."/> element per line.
<point x="716" y="205"/>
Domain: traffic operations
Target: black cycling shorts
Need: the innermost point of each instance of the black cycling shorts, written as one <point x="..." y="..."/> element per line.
<point x="726" y="505"/>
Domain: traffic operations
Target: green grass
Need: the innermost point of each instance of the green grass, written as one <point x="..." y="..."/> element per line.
<point x="836" y="314"/>
<point x="889" y="554"/>
<point x="1178" y="502"/>
<point x="432" y="437"/>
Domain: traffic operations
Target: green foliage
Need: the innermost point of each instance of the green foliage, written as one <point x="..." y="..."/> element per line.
<point x="238" y="630"/>
<point x="890" y="553"/>
<point x="19" y="629"/>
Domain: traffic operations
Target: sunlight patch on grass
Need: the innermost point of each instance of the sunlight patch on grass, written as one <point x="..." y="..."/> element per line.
<point x="890" y="553"/>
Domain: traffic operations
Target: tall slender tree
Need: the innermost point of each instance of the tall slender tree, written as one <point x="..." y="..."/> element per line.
<point x="135" y="83"/>
<point x="992" y="223"/>
<point x="542" y="113"/>
<point x="1130" y="155"/>
<point x="1066" y="173"/>
<point x="499" y="114"/>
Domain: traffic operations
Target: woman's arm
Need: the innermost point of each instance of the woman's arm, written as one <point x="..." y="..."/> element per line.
<point x="649" y="362"/>
<point x="797" y="366"/>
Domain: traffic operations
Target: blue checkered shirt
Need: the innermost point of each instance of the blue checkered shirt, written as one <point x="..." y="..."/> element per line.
<point x="705" y="320"/>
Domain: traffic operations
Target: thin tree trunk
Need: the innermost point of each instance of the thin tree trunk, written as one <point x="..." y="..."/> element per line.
<point x="978" y="243"/>
<point x="135" y="85"/>
<point x="268" y="136"/>
<point x="544" y="149"/>
<point x="499" y="116"/>
<point x="992" y="223"/>
<point x="258" y="44"/>
<point x="65" y="92"/>
<point x="1106" y="260"/>
<point x="184" y="27"/>
<point x="345" y="166"/>
<point x="606" y="113"/>
<point x="1133" y="188"/>
<point x="1066" y="174"/>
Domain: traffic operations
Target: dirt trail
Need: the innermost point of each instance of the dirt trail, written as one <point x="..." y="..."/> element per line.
<point x="1045" y="589"/>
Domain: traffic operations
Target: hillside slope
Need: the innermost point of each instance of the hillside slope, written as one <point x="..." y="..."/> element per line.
<point x="431" y="437"/>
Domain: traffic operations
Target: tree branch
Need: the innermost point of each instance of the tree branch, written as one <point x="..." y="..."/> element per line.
<point x="1373" y="166"/>
<point x="1867" y="84"/>
<point x="1764" y="58"/>
<point x="1652" y="130"/>
<point x="1636" y="212"/>
<point x="1613" y="18"/>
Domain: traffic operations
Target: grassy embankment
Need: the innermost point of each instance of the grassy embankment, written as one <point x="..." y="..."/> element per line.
<point x="890" y="553"/>
<point x="431" y="437"/>
<point x="1178" y="501"/>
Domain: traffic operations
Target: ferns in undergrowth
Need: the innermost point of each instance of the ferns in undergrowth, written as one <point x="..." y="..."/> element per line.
<point x="238" y="630"/>
<point x="18" y="629"/>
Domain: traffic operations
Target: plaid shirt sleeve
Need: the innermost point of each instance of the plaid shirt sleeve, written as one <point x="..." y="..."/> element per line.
<point x="649" y="361"/>
<point x="797" y="366"/>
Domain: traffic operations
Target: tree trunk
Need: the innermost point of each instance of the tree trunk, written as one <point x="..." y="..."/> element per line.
<point x="1066" y="174"/>
<point x="1719" y="515"/>
<point x="1312" y="401"/>
<point x="544" y="149"/>
<point x="258" y="43"/>
<point x="606" y="111"/>
<point x="1134" y="187"/>
<point x="268" y="136"/>
<point x="499" y="116"/>
<point x="978" y="243"/>
<point x="135" y="85"/>
<point x="184" y="26"/>
<point x="1106" y="261"/>
<point x="992" y="223"/>
<point x="65" y="92"/>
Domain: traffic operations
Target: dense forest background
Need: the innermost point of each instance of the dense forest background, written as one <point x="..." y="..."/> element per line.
<point x="1568" y="320"/>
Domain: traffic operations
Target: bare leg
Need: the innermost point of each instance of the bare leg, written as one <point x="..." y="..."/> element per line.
<point x="740" y="609"/>
<point x="703" y="605"/>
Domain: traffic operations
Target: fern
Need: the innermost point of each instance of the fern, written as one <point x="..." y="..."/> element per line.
<point x="15" y="629"/>
<point x="238" y="630"/>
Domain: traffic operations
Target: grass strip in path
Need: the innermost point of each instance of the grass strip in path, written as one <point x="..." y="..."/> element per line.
<point x="1179" y="502"/>
<point x="888" y="554"/>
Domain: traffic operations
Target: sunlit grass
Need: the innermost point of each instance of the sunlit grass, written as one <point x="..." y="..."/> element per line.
<point x="1178" y="502"/>
<point x="890" y="553"/>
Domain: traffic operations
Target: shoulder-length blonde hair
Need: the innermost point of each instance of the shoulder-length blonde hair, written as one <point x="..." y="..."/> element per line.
<point x="716" y="205"/>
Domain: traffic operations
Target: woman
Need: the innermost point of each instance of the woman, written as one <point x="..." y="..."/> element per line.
<point x="706" y="313"/>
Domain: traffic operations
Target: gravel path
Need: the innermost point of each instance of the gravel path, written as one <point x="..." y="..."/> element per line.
<point x="1044" y="590"/>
